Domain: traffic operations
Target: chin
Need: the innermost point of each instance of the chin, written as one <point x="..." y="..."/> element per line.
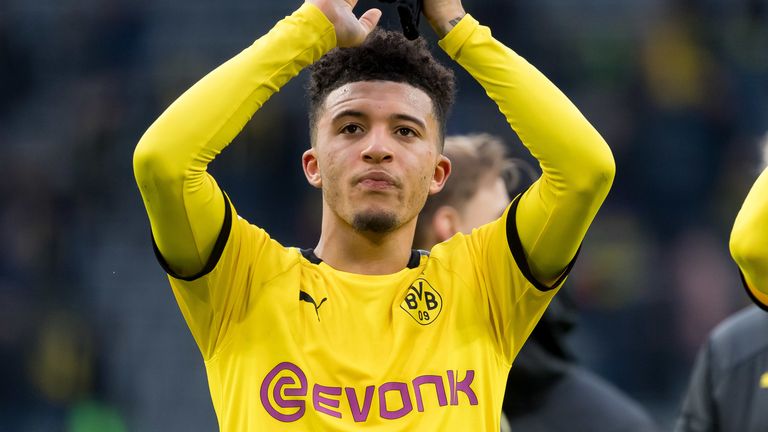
<point x="379" y="222"/>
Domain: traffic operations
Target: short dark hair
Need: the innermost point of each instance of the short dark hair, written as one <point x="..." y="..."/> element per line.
<point x="384" y="56"/>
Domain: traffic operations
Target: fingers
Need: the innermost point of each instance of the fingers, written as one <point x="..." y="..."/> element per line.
<point x="369" y="19"/>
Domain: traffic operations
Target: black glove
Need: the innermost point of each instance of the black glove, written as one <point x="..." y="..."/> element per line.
<point x="410" y="14"/>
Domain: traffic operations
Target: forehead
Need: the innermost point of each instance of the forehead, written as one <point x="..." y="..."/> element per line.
<point x="385" y="96"/>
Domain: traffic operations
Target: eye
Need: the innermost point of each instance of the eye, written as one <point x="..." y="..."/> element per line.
<point x="351" y="129"/>
<point x="406" y="132"/>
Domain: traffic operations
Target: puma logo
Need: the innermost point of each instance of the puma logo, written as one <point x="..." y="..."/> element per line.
<point x="305" y="297"/>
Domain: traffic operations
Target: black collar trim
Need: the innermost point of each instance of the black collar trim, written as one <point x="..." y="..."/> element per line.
<point x="413" y="261"/>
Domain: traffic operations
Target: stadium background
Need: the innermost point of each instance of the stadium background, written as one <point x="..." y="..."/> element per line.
<point x="90" y="336"/>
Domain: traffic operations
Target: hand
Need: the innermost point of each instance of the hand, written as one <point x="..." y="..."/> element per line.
<point x="350" y="31"/>
<point x="443" y="15"/>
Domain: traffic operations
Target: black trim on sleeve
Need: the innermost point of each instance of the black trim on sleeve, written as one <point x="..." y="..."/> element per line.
<point x="516" y="247"/>
<point x="751" y="295"/>
<point x="218" y="248"/>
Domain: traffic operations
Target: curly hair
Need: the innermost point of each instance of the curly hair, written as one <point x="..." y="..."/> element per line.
<point x="384" y="56"/>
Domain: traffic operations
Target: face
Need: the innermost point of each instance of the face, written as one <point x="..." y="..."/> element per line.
<point x="376" y="154"/>
<point x="488" y="203"/>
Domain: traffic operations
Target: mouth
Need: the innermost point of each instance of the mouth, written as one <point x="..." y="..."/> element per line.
<point x="376" y="180"/>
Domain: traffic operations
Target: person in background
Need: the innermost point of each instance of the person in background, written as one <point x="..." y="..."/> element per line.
<point x="546" y="389"/>
<point x="728" y="389"/>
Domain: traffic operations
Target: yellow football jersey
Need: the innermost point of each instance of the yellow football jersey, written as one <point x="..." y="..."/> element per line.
<point x="291" y="344"/>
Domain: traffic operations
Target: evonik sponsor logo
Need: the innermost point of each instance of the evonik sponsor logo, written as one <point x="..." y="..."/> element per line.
<point x="286" y="395"/>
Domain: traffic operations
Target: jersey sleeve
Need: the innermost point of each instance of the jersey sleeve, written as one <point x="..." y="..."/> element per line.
<point x="577" y="165"/>
<point x="214" y="301"/>
<point x="749" y="238"/>
<point x="184" y="203"/>
<point x="216" y="261"/>
<point x="514" y="298"/>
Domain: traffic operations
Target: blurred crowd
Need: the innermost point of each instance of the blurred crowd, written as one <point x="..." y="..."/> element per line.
<point x="90" y="335"/>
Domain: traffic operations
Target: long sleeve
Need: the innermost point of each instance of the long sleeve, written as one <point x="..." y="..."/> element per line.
<point x="186" y="208"/>
<point x="749" y="240"/>
<point x="578" y="168"/>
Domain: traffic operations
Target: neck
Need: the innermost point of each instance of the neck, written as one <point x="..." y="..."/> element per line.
<point x="344" y="248"/>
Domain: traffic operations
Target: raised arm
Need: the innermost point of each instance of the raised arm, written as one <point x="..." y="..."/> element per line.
<point x="749" y="240"/>
<point x="577" y="165"/>
<point x="185" y="206"/>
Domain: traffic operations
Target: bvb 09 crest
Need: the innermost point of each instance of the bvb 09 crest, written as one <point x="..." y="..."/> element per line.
<point x="422" y="302"/>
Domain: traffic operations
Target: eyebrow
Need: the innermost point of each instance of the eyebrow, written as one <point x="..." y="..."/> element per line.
<point x="360" y="114"/>
<point x="349" y="113"/>
<point x="406" y="117"/>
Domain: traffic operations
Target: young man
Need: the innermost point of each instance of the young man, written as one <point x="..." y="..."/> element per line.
<point x="362" y="332"/>
<point x="546" y="389"/>
<point x="728" y="390"/>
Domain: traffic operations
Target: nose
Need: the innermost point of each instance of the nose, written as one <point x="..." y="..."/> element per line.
<point x="378" y="148"/>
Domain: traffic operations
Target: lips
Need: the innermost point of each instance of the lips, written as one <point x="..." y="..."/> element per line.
<point x="376" y="180"/>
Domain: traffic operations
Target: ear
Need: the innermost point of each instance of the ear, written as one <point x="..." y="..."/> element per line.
<point x="445" y="223"/>
<point x="311" y="168"/>
<point x="441" y="174"/>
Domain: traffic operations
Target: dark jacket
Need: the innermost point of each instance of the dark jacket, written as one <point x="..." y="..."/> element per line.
<point x="728" y="391"/>
<point x="547" y="391"/>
